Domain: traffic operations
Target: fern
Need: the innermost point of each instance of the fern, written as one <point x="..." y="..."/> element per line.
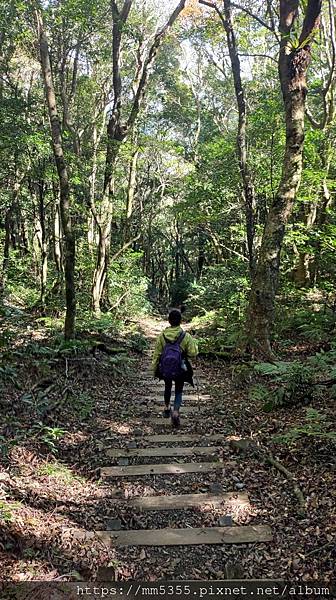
<point x="316" y="426"/>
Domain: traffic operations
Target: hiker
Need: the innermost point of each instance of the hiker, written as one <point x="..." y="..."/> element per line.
<point x="173" y="349"/>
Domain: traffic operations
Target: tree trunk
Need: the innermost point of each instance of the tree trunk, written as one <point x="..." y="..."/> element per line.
<point x="103" y="250"/>
<point x="242" y="145"/>
<point x="57" y="144"/>
<point x="5" y="260"/>
<point x="293" y="64"/>
<point x="301" y="272"/>
<point x="43" y="244"/>
<point x="131" y="188"/>
<point x="58" y="252"/>
<point x="10" y="238"/>
<point x="118" y="129"/>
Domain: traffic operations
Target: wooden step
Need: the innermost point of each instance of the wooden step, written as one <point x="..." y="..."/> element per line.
<point x="161" y="469"/>
<point x="165" y="422"/>
<point x="185" y="410"/>
<point x="187" y="398"/>
<point x="188" y="537"/>
<point x="183" y="437"/>
<point x="157" y="408"/>
<point x="203" y="450"/>
<point x="180" y="502"/>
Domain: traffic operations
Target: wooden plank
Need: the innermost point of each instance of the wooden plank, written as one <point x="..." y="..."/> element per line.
<point x="158" y="408"/>
<point x="119" y="452"/>
<point x="185" y="410"/>
<point x="183" y="437"/>
<point x="163" y="421"/>
<point x="160" y="469"/>
<point x="187" y="398"/>
<point x="188" y="537"/>
<point x="177" y="502"/>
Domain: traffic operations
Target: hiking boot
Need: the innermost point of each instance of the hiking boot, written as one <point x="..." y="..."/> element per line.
<point x="166" y="413"/>
<point x="175" y="420"/>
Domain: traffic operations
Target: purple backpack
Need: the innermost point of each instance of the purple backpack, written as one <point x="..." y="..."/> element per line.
<point x="171" y="358"/>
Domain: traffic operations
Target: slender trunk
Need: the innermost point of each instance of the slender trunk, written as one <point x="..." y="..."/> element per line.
<point x="104" y="224"/>
<point x="131" y="188"/>
<point x="321" y="220"/>
<point x="118" y="129"/>
<point x="293" y="64"/>
<point x="5" y="260"/>
<point x="10" y="238"/>
<point x="58" y="252"/>
<point x="301" y="273"/>
<point x="65" y="211"/>
<point x="248" y="188"/>
<point x="103" y="251"/>
<point x="43" y="245"/>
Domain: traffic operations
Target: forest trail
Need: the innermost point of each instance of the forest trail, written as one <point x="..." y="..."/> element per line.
<point x="193" y="451"/>
<point x="122" y="496"/>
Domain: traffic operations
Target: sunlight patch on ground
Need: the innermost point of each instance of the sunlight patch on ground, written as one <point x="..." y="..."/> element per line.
<point x="122" y="428"/>
<point x="59" y="471"/>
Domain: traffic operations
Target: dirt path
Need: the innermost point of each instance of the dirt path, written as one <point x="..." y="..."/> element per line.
<point x="221" y="506"/>
<point x="181" y="495"/>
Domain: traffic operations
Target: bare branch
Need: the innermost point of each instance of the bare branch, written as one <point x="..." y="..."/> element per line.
<point x="314" y="123"/>
<point x="124" y="247"/>
<point x="254" y="16"/>
<point x="215" y="7"/>
<point x="210" y="4"/>
<point x="126" y="10"/>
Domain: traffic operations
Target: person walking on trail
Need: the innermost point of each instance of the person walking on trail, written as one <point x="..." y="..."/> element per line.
<point x="171" y="362"/>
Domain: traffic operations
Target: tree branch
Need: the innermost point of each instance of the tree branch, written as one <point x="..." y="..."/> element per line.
<point x="158" y="38"/>
<point x="311" y="22"/>
<point x="125" y="246"/>
<point x="254" y="16"/>
<point x="215" y="7"/>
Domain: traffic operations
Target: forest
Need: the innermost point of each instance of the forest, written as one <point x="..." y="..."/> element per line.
<point x="157" y="155"/>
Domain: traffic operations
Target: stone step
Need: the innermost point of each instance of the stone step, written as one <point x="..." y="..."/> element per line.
<point x="195" y="450"/>
<point x="246" y="534"/>
<point x="230" y="500"/>
<point x="163" y="469"/>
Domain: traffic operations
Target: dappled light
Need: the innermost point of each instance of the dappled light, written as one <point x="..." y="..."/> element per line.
<point x="167" y="291"/>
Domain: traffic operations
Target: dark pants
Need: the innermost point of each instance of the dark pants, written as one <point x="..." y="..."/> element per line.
<point x="179" y="383"/>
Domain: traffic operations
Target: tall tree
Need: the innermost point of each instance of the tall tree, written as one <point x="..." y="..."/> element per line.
<point x="294" y="59"/>
<point x="62" y="170"/>
<point x="242" y="140"/>
<point x="118" y="128"/>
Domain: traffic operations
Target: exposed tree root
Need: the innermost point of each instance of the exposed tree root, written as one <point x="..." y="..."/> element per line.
<point x="298" y="493"/>
<point x="244" y="445"/>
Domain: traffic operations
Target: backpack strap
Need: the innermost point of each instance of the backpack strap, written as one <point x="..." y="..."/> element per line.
<point x="179" y="339"/>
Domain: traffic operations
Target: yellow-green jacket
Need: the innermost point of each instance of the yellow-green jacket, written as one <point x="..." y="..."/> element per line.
<point x="188" y="345"/>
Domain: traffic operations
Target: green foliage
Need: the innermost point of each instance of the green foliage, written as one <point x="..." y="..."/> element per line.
<point x="306" y="314"/>
<point x="220" y="297"/>
<point x="316" y="425"/>
<point x="73" y="347"/>
<point x="259" y="393"/>
<point x="292" y="383"/>
<point x="59" y="471"/>
<point x="82" y="405"/>
<point x="8" y="374"/>
<point x="128" y="286"/>
<point x="48" y="435"/>
<point x="7" y="511"/>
